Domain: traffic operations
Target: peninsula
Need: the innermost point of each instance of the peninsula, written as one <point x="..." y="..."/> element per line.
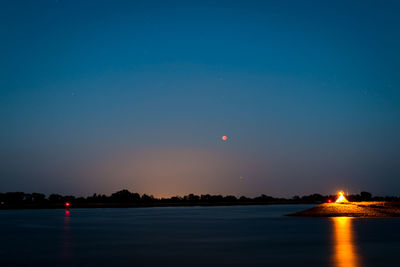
<point x="344" y="208"/>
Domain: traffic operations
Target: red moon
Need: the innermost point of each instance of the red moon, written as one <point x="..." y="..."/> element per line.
<point x="224" y="138"/>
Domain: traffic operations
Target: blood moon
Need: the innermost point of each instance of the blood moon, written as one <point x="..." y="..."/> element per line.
<point x="224" y="138"/>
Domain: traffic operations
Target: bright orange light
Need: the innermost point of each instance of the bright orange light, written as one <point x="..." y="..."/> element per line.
<point x="344" y="246"/>
<point x="341" y="198"/>
<point x="224" y="138"/>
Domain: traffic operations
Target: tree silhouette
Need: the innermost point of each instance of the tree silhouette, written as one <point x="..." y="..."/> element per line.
<point x="124" y="196"/>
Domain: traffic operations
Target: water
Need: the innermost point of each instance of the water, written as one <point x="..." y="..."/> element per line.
<point x="194" y="236"/>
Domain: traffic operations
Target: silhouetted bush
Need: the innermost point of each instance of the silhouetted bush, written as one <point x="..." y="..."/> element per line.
<point x="230" y="199"/>
<point x="365" y="196"/>
<point x="192" y="198"/>
<point x="14" y="197"/>
<point x="124" y="196"/>
<point x="146" y="198"/>
<point x="264" y="198"/>
<point x="55" y="198"/>
<point x="175" y="199"/>
<point x="38" y="198"/>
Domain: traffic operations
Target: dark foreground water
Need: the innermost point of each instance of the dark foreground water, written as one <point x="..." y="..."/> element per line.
<point x="194" y="236"/>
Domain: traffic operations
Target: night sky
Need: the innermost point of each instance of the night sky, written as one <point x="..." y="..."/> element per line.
<point x="97" y="96"/>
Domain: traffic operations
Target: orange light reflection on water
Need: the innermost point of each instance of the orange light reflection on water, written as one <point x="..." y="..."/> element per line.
<point x="344" y="247"/>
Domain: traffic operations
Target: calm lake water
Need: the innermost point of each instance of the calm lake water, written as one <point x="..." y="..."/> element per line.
<point x="194" y="236"/>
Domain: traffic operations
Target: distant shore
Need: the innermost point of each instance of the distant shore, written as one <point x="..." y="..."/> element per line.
<point x="372" y="209"/>
<point x="145" y="205"/>
<point x="126" y="199"/>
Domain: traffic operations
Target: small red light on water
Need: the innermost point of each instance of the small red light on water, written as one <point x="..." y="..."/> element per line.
<point x="67" y="204"/>
<point x="67" y="212"/>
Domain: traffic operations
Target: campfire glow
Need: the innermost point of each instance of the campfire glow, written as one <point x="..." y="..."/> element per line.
<point x="341" y="198"/>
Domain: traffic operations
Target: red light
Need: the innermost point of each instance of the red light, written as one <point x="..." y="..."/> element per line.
<point x="67" y="212"/>
<point x="67" y="204"/>
<point x="329" y="201"/>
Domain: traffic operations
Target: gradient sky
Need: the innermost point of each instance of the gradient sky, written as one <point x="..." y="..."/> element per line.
<point x="97" y="96"/>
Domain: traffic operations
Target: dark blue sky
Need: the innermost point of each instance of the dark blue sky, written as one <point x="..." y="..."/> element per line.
<point x="96" y="96"/>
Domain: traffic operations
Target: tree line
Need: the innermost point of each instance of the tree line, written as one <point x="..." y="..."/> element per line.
<point x="127" y="197"/>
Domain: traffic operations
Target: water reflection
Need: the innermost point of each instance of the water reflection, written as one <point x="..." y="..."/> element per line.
<point x="344" y="246"/>
<point x="66" y="240"/>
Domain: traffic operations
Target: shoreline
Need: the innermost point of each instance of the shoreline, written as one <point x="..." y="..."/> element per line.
<point x="372" y="209"/>
<point x="144" y="205"/>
